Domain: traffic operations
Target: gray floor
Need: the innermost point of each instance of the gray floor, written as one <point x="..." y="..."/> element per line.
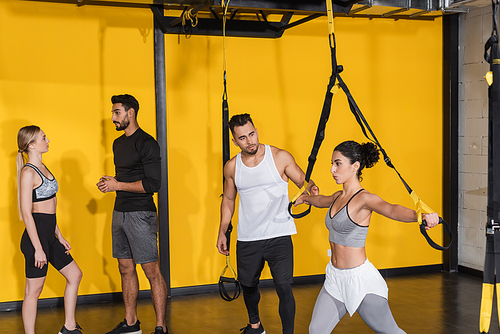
<point x="439" y="303"/>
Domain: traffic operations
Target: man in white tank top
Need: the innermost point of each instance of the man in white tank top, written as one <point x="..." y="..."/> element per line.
<point x="260" y="174"/>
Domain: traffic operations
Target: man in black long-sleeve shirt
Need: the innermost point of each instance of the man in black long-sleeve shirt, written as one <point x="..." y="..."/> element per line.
<point x="135" y="226"/>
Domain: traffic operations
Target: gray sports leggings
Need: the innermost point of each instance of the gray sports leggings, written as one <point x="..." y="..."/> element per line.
<point x="374" y="310"/>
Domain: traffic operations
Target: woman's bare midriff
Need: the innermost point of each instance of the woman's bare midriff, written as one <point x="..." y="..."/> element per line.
<point x="48" y="206"/>
<point x="344" y="257"/>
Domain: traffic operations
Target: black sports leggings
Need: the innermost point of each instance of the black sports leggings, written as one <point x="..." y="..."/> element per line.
<point x="251" y="296"/>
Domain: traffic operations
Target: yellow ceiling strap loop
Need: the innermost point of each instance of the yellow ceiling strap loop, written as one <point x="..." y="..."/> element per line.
<point x="225" y="7"/>
<point x="189" y="16"/>
<point x="329" y="12"/>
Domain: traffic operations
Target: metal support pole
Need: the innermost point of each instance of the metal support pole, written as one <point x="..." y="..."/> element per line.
<point x="450" y="136"/>
<point x="161" y="134"/>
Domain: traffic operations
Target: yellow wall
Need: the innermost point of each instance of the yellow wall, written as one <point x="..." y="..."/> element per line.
<point x="282" y="84"/>
<point x="60" y="64"/>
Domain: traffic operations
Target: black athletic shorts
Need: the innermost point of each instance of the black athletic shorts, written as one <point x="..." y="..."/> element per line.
<point x="54" y="250"/>
<point x="251" y="256"/>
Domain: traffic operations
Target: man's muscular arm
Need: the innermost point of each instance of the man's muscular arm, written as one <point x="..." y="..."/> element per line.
<point x="293" y="171"/>
<point x="227" y="205"/>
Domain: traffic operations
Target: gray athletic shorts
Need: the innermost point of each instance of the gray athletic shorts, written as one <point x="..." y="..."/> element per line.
<point x="135" y="236"/>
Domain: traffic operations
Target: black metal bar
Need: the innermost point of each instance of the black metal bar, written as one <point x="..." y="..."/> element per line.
<point x="248" y="28"/>
<point x="450" y="136"/>
<point x="286" y="17"/>
<point x="310" y="5"/>
<point x="214" y="13"/>
<point x="158" y="12"/>
<point x="394" y="12"/>
<point x="161" y="135"/>
<point x="263" y="15"/>
<point x="296" y="23"/>
<point x="240" y="28"/>
<point x="233" y="14"/>
<point x="360" y="9"/>
<point x="194" y="11"/>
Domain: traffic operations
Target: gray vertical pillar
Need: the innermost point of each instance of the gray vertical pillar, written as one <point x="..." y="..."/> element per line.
<point x="161" y="134"/>
<point x="450" y="137"/>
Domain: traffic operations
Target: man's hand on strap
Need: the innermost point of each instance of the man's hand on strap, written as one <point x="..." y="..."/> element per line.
<point x="222" y="244"/>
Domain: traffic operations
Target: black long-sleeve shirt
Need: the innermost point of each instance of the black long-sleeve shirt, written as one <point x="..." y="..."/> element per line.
<point x="137" y="158"/>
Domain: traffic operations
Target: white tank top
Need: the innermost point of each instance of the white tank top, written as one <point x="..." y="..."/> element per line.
<point x="263" y="204"/>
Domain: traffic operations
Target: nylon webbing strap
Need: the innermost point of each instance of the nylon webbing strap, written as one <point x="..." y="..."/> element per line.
<point x="226" y="155"/>
<point x="225" y="158"/>
<point x="367" y="131"/>
<point x="230" y="280"/>
<point x="491" y="262"/>
<point x="420" y="206"/>
<point x="492" y="258"/>
<point x="331" y="90"/>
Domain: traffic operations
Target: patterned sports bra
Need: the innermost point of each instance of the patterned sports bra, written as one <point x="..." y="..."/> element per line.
<point x="47" y="189"/>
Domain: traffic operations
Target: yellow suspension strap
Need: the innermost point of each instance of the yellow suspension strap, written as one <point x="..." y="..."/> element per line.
<point x="492" y="258"/>
<point x="331" y="90"/>
<point x="420" y="206"/>
<point x="233" y="279"/>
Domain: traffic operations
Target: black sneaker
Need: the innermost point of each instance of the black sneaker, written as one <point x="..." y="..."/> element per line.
<point x="249" y="330"/>
<point x="159" y="330"/>
<point x="77" y="330"/>
<point x="122" y="327"/>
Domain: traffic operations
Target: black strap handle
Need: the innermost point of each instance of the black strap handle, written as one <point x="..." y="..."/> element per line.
<point x="446" y="229"/>
<point x="320" y="132"/>
<point x="222" y="288"/>
<point x="229" y="280"/>
<point x="225" y="158"/>
<point x="298" y="215"/>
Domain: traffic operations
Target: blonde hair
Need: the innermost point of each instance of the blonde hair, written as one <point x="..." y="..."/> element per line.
<point x="25" y="137"/>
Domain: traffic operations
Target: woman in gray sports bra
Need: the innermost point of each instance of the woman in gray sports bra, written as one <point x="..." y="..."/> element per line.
<point x="42" y="242"/>
<point x="352" y="283"/>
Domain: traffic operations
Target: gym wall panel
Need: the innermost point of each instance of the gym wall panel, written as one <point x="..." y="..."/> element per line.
<point x="393" y="69"/>
<point x="60" y="64"/>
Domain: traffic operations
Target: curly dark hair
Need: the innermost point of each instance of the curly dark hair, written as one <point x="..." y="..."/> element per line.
<point x="367" y="154"/>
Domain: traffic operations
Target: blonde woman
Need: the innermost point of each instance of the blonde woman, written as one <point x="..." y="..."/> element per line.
<point x="42" y="241"/>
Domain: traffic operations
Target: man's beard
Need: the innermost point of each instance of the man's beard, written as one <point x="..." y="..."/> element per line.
<point x="123" y="124"/>
<point x="252" y="152"/>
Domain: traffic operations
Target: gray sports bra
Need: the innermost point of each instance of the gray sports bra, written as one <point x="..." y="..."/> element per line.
<point x="47" y="189"/>
<point x="343" y="231"/>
